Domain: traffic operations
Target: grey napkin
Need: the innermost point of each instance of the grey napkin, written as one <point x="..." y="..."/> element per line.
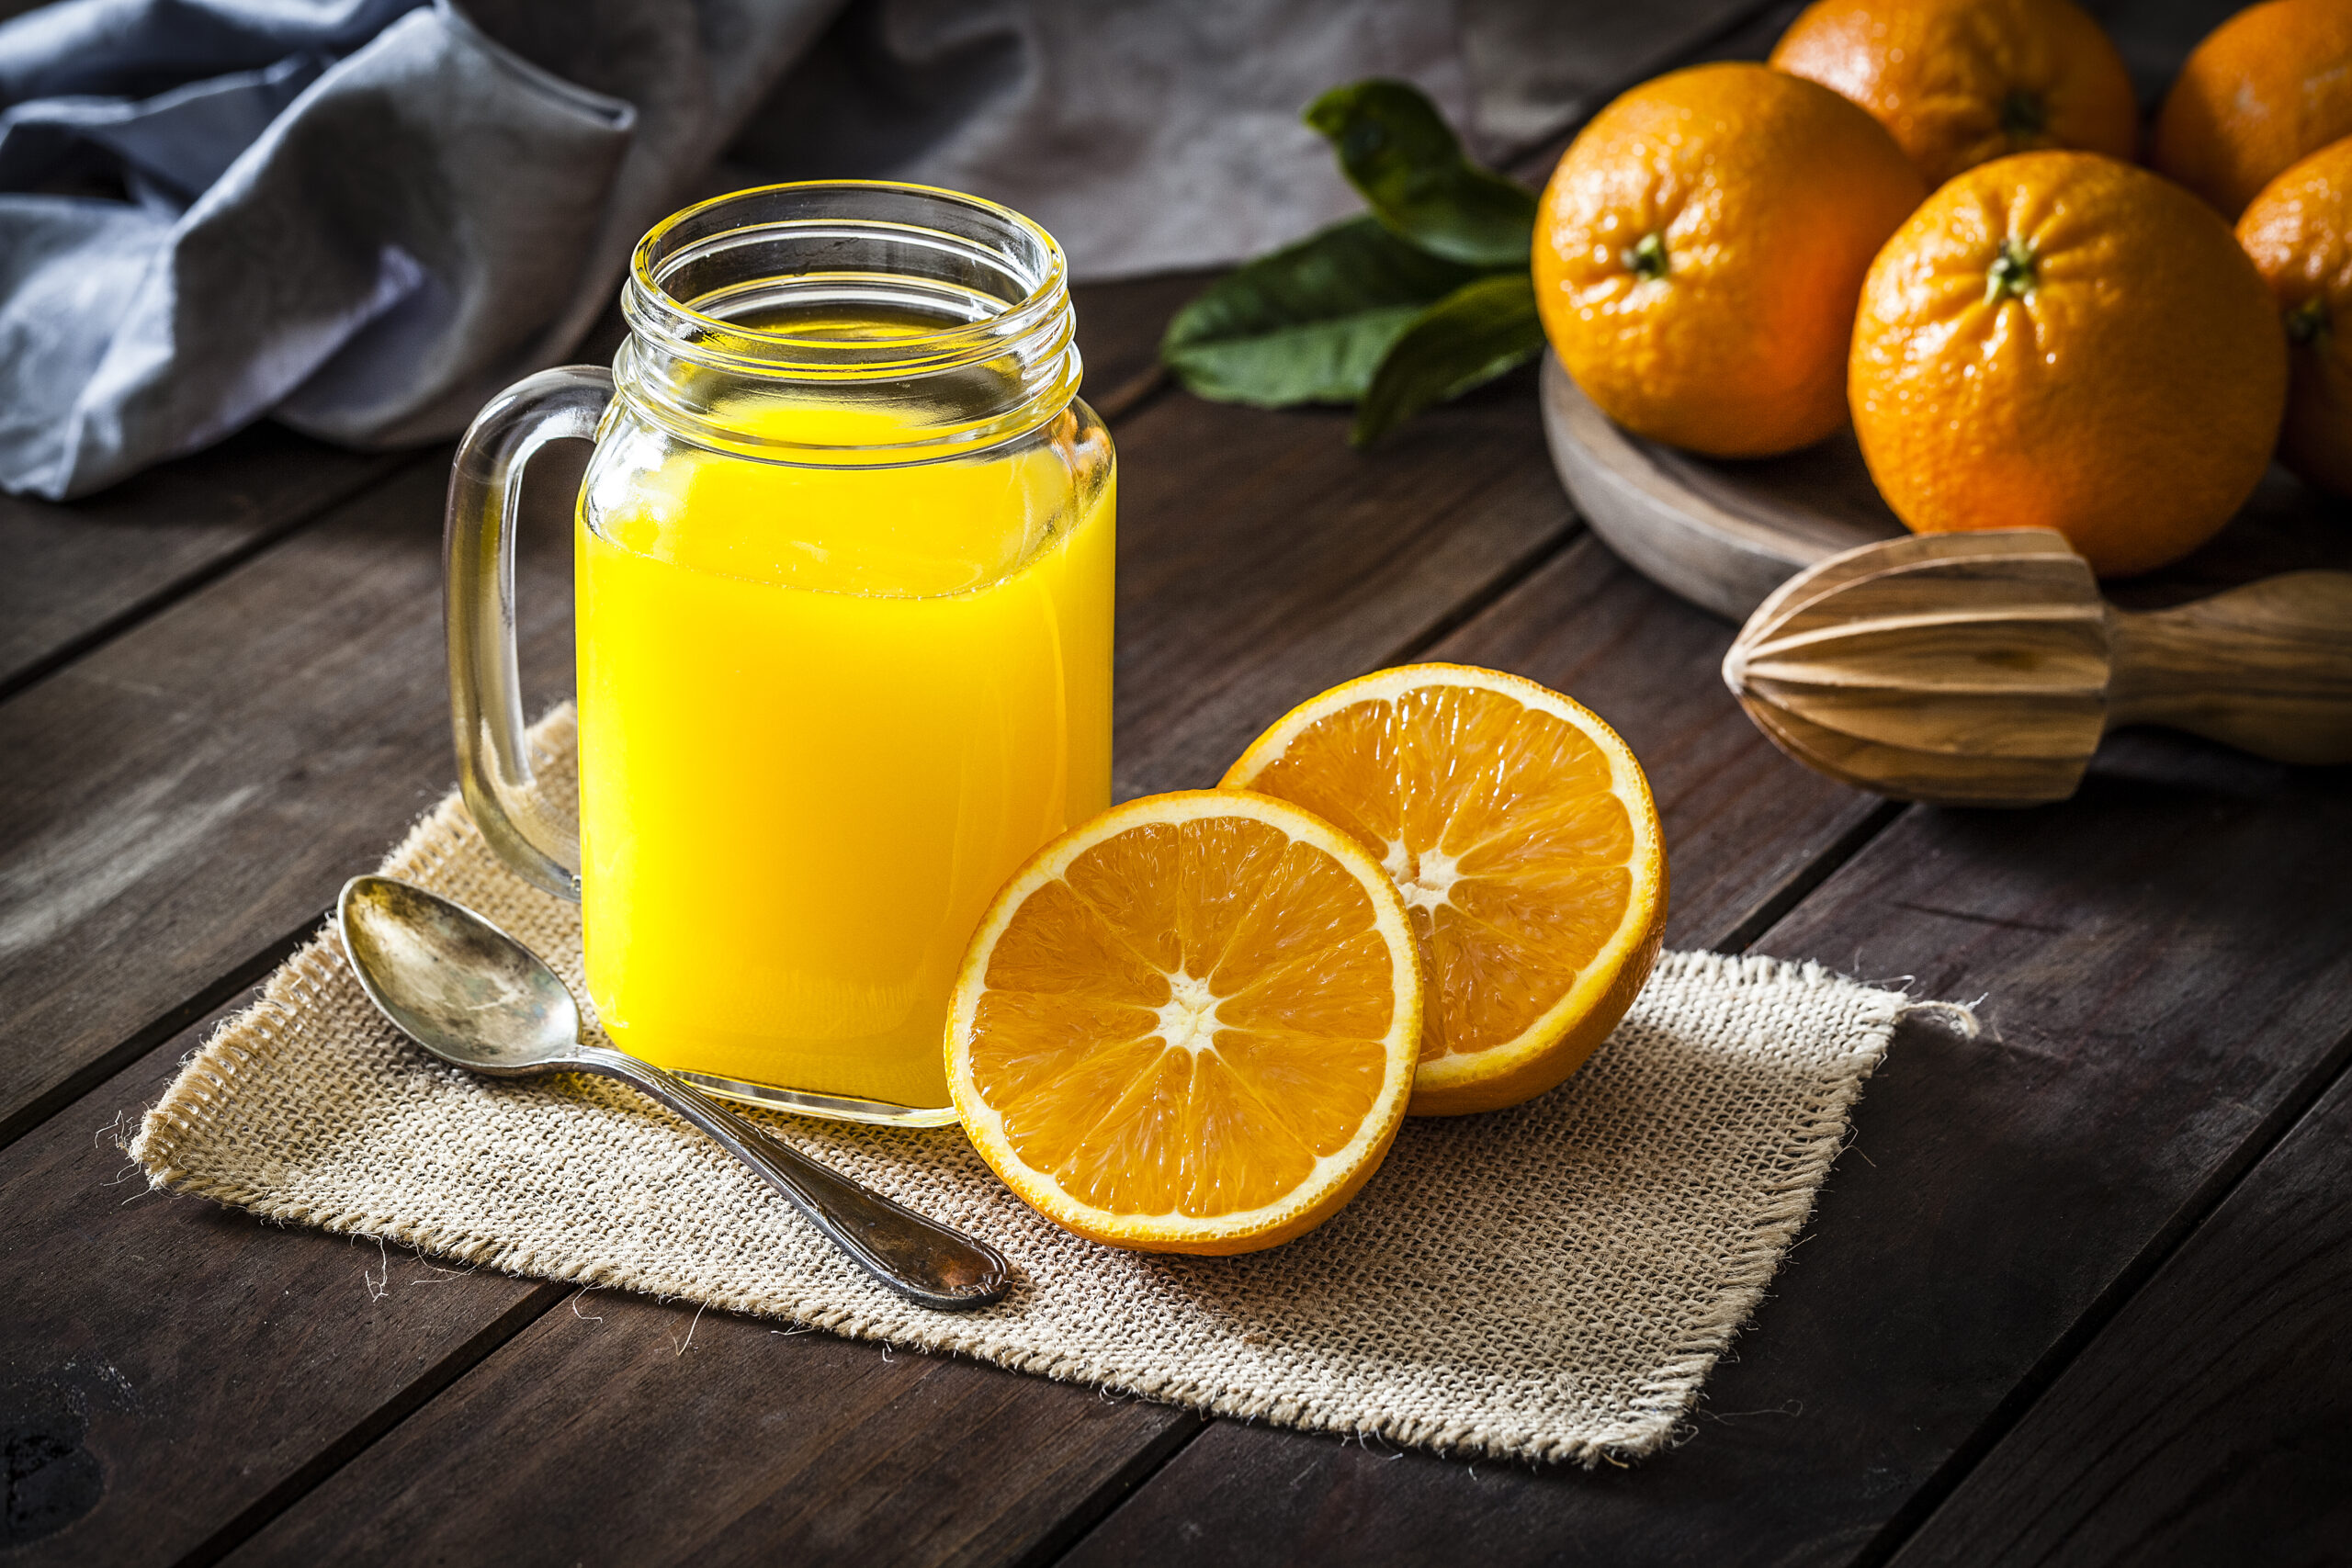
<point x="362" y="215"/>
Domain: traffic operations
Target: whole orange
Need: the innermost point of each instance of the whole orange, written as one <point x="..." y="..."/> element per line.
<point x="1959" y="82"/>
<point x="2059" y="340"/>
<point x="1698" y="250"/>
<point x="1964" y="81"/>
<point x="2266" y="87"/>
<point x="2298" y="232"/>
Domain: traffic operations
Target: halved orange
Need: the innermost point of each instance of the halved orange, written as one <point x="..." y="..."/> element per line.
<point x="1189" y="1025"/>
<point x="1520" y="832"/>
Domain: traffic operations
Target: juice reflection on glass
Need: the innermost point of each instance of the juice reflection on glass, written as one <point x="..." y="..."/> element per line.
<point x="843" y="592"/>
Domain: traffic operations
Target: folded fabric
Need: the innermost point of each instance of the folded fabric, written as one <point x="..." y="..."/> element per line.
<point x="363" y="216"/>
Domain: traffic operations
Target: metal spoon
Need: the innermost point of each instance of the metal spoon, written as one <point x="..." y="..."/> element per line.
<point x="477" y="998"/>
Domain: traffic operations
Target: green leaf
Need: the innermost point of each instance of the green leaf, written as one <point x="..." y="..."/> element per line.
<point x="1308" y="323"/>
<point x="1471" y="336"/>
<point x="1397" y="150"/>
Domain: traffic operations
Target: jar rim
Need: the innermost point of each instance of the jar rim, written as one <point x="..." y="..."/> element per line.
<point x="756" y="348"/>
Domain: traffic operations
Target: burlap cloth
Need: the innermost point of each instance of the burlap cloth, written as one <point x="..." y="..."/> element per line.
<point x="1551" y="1282"/>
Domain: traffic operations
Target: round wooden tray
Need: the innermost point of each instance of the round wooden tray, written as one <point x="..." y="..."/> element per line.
<point x="1722" y="534"/>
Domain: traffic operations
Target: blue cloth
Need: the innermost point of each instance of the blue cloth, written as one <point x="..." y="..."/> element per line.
<point x="362" y="217"/>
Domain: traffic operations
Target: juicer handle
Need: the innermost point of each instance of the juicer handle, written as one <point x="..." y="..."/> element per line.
<point x="2265" y="668"/>
<point x="478" y="587"/>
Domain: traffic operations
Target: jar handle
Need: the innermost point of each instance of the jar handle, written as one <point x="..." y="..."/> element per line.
<point x="477" y="585"/>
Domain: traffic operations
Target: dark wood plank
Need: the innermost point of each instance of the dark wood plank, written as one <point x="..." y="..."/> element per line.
<point x="1261" y="560"/>
<point x="78" y="571"/>
<point x="192" y="792"/>
<point x="187" y="795"/>
<point x="2212" y="1422"/>
<point x="633" y="1432"/>
<point x="1118" y="337"/>
<point x="1387" y="601"/>
<point x="167" y="1366"/>
<point x="85" y="570"/>
<point x="2166" y="968"/>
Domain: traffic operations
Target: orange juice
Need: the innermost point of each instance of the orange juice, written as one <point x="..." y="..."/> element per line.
<point x="824" y="713"/>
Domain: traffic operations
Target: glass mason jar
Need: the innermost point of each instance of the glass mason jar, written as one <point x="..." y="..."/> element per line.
<point x="843" y="585"/>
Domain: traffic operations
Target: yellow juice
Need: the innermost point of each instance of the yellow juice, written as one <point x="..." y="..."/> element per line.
<point x="824" y="713"/>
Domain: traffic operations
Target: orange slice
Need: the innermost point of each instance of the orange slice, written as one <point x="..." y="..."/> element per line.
<point x="1189" y="1025"/>
<point x="1521" y="833"/>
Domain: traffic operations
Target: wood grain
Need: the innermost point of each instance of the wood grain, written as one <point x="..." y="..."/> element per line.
<point x="1983" y="668"/>
<point x="167" y="1366"/>
<point x="2212" y="1422"/>
<point x="1893" y="1259"/>
<point x="77" y="571"/>
<point x="1261" y="560"/>
<point x="1743" y="823"/>
<point x="1721" y="535"/>
<point x="1967" y="668"/>
<point x="199" y="787"/>
<point x="86" y="570"/>
<point x="633" y="1432"/>
<point x="2165" y="965"/>
<point x="2266" y="667"/>
<point x="1726" y="533"/>
<point x="1119" y="326"/>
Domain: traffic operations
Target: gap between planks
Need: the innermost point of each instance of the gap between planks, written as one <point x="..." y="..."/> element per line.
<point x="250" y="972"/>
<point x="2079" y="1335"/>
<point x="1474" y="606"/>
<point x="2185" y="1220"/>
<point x="1532" y="162"/>
<point x="414" y="1396"/>
<point x="200" y="578"/>
<point x="1097" y="1505"/>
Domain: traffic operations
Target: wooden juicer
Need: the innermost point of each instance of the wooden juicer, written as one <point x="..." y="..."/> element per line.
<point x="1982" y="668"/>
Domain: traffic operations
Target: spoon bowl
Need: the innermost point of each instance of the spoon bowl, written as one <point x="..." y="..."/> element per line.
<point x="476" y="997"/>
<point x="456" y="984"/>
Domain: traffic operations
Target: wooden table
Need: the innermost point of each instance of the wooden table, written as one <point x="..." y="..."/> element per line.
<point x="2079" y="1291"/>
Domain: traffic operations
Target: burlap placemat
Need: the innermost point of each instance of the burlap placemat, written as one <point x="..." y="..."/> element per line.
<point x="1551" y="1282"/>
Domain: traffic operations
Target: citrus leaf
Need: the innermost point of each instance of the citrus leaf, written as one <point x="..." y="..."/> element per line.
<point x="1309" y="322"/>
<point x="1398" y="151"/>
<point x="1471" y="336"/>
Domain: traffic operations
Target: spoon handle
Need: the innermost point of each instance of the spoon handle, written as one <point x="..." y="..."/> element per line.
<point x="920" y="1258"/>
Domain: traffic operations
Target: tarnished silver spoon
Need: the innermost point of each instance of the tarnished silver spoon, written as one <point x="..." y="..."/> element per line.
<point x="477" y="998"/>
